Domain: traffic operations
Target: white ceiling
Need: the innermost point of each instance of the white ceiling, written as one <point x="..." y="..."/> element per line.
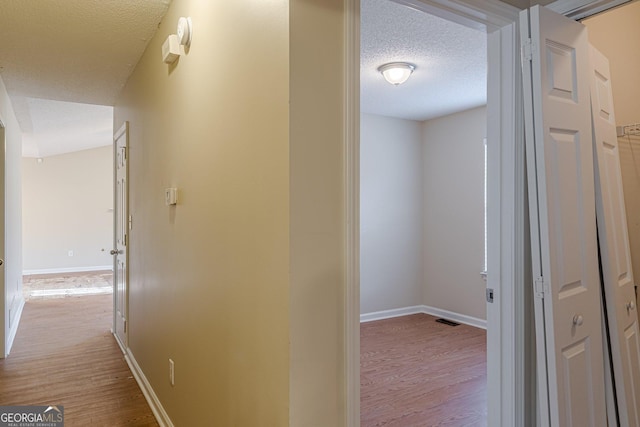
<point x="450" y="60"/>
<point x="75" y="51"/>
<point x="50" y="128"/>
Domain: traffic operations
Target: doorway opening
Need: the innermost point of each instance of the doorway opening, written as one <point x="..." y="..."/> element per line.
<point x="422" y="218"/>
<point x="67" y="187"/>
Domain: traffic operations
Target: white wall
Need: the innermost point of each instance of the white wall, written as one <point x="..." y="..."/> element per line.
<point x="391" y="206"/>
<point x="67" y="203"/>
<point x="422" y="213"/>
<point x="11" y="251"/>
<point x="454" y="212"/>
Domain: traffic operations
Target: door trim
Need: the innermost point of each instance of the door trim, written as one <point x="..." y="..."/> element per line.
<point x="506" y="203"/>
<point x="123" y="130"/>
<point x="351" y="172"/>
<point x="487" y="16"/>
<point x="580" y="9"/>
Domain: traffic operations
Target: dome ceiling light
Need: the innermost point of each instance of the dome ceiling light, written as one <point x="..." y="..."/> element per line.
<point x="396" y="73"/>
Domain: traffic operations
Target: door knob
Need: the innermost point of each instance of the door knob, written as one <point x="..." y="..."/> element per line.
<point x="578" y="319"/>
<point x="631" y="305"/>
<point x="115" y="252"/>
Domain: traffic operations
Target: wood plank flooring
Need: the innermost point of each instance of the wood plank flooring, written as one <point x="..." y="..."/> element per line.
<point x="64" y="354"/>
<point x="417" y="372"/>
<point x="64" y="284"/>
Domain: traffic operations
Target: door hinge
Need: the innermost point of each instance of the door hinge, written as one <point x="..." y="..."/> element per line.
<point x="125" y="326"/>
<point x="489" y="295"/>
<point x="130" y="222"/>
<point x="125" y="239"/>
<point x="527" y="50"/>
<point x="541" y="288"/>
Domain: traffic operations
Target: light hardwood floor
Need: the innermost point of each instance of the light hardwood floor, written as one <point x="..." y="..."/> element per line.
<point x="65" y="284"/>
<point x="416" y="372"/>
<point x="64" y="354"/>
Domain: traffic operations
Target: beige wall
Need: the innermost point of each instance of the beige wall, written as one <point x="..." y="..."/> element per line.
<point x="241" y="283"/>
<point x="209" y="282"/>
<point x="317" y="285"/>
<point x="616" y="34"/>
<point x="11" y="222"/>
<point x="454" y="212"/>
<point x="67" y="206"/>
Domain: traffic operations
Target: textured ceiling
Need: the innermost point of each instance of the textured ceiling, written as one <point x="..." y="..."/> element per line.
<point x="79" y="51"/>
<point x="56" y="127"/>
<point x="83" y="51"/>
<point x="74" y="50"/>
<point x="450" y="59"/>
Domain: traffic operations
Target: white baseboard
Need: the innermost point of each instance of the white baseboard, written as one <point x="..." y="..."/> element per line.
<point x="456" y="317"/>
<point x="14" y="327"/>
<point x="100" y="290"/>
<point x="405" y="311"/>
<point x="153" y="401"/>
<point x="67" y="270"/>
<point x="388" y="314"/>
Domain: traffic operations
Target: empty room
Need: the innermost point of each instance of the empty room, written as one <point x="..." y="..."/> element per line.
<point x="422" y="219"/>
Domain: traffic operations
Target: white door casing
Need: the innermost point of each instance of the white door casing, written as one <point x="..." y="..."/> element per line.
<point x="563" y="222"/>
<point x="120" y="234"/>
<point x="6" y="317"/>
<point x="614" y="246"/>
<point x="506" y="195"/>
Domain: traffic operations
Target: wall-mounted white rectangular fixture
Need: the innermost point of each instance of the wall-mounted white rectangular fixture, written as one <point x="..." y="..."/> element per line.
<point x="171" y="196"/>
<point x="171" y="49"/>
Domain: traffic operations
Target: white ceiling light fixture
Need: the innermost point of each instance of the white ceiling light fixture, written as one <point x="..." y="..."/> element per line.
<point x="396" y="73"/>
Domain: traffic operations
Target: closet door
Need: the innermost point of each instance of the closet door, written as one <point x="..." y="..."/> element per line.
<point x="562" y="203"/>
<point x="614" y="246"/>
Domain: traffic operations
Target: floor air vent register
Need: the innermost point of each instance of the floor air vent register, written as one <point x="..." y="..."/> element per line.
<point x="448" y="322"/>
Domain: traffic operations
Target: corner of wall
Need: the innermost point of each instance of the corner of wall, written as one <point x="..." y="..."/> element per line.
<point x="454" y="212"/>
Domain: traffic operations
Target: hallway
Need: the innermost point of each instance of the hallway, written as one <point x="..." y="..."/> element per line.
<point x="64" y="354"/>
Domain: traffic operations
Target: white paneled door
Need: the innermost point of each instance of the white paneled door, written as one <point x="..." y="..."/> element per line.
<point x="563" y="216"/>
<point x="120" y="234"/>
<point x="614" y="246"/>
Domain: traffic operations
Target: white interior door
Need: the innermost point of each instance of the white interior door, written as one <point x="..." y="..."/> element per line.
<point x="120" y="230"/>
<point x="562" y="209"/>
<point x="614" y="246"/>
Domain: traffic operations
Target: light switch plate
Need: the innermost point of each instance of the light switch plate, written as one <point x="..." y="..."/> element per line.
<point x="171" y="196"/>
